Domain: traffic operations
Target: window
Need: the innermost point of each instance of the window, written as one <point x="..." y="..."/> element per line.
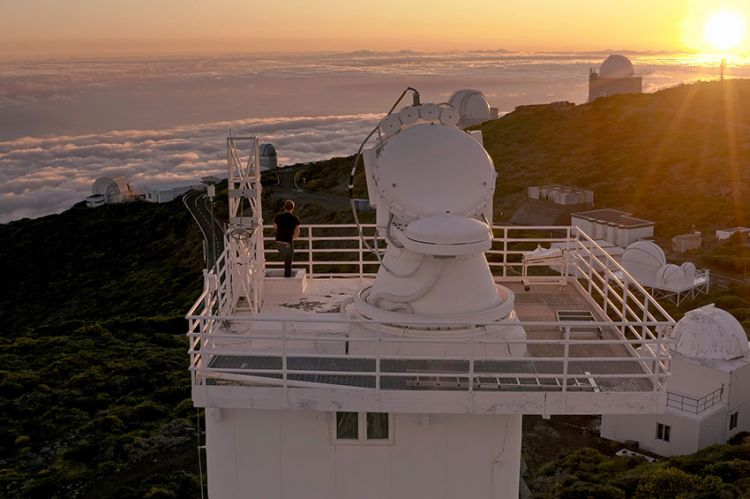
<point x="733" y="419"/>
<point x="662" y="432"/>
<point x="347" y="427"/>
<point x="359" y="427"/>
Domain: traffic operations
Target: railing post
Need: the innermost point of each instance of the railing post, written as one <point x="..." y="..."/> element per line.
<point x="505" y="251"/>
<point x="566" y="352"/>
<point x="361" y="257"/>
<point x="309" y="251"/>
<point x="377" y="360"/>
<point x="283" y="359"/>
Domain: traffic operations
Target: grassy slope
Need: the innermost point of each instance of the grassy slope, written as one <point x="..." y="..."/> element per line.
<point x="680" y="157"/>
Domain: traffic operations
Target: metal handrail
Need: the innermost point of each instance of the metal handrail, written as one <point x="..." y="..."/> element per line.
<point x="633" y="315"/>
<point x="693" y="405"/>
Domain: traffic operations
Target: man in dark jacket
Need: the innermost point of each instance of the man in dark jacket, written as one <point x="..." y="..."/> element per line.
<point x="287" y="226"/>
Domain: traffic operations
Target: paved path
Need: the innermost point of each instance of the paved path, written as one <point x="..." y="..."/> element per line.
<point x="199" y="206"/>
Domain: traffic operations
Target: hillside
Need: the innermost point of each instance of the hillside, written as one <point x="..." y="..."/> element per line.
<point x="94" y="387"/>
<point x="680" y="157"/>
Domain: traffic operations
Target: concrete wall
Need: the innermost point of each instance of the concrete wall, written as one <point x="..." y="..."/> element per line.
<point x="291" y="454"/>
<point x="642" y="428"/>
<point x="629" y="236"/>
<point x="695" y="380"/>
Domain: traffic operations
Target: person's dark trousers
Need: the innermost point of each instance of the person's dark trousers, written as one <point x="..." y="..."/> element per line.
<point x="287" y="253"/>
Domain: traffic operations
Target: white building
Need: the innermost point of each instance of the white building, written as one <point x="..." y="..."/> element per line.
<point x="473" y="107"/>
<point x="617" y="227"/>
<point x="708" y="394"/>
<point x="403" y="370"/>
<point x="646" y="262"/>
<point x="108" y="190"/>
<point x="686" y="242"/>
<point x="722" y="234"/>
<point x="616" y="76"/>
<point x="169" y="192"/>
<point x="562" y="194"/>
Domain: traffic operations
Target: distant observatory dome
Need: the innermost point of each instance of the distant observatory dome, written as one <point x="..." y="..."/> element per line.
<point x="472" y="105"/>
<point x="268" y="157"/>
<point x="616" y="66"/>
<point x="710" y="333"/>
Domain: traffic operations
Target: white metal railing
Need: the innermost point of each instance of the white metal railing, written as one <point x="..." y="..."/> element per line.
<point x="636" y="325"/>
<point x="284" y="347"/>
<point x="694" y="405"/>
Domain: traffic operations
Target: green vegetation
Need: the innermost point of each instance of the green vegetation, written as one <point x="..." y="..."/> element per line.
<point x="732" y="255"/>
<point x="93" y="370"/>
<point x="719" y="471"/>
<point x="678" y="157"/>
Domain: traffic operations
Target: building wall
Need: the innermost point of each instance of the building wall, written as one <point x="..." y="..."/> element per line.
<point x="690" y="432"/>
<point x="683" y="244"/>
<point x="603" y="87"/>
<point x="628" y="236"/>
<point x="291" y="454"/>
<point x="694" y="379"/>
<point x="642" y="428"/>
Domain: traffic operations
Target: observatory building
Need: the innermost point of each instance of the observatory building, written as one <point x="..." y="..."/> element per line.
<point x="615" y="76"/>
<point x="168" y="192"/>
<point x="708" y="394"/>
<point x="552" y="205"/>
<point x="400" y="357"/>
<point x="617" y="227"/>
<point x="473" y="107"/>
<point x="108" y="190"/>
<point x="646" y="262"/>
<point x="268" y="157"/>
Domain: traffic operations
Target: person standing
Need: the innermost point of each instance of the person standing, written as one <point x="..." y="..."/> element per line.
<point x="287" y="226"/>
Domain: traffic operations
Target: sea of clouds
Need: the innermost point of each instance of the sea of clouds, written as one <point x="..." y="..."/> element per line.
<point x="47" y="175"/>
<point x="162" y="120"/>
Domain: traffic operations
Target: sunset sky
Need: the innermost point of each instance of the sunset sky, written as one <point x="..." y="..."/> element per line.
<point x="50" y="28"/>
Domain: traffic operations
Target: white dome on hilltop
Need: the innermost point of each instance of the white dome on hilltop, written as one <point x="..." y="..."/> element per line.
<point x="710" y="333"/>
<point x="471" y="105"/>
<point x="616" y="66"/>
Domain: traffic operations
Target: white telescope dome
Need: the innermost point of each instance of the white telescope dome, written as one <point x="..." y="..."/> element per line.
<point x="670" y="275"/>
<point x="471" y="105"/>
<point x="429" y="170"/>
<point x="710" y="333"/>
<point x="643" y="259"/>
<point x="616" y="66"/>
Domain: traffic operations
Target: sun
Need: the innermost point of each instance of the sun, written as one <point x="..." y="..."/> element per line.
<point x="725" y="29"/>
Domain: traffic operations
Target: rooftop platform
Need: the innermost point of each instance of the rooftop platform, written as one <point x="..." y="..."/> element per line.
<point x="596" y="344"/>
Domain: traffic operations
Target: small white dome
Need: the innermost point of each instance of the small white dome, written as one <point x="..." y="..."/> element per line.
<point x="643" y="259"/>
<point x="616" y="66"/>
<point x="710" y="333"/>
<point x="670" y="275"/>
<point x="472" y="105"/>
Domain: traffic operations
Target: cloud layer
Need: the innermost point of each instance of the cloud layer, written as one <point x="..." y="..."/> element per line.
<point x="56" y="115"/>
<point x="39" y="176"/>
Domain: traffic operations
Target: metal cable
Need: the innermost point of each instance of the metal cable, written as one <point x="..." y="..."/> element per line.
<point x="355" y="166"/>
